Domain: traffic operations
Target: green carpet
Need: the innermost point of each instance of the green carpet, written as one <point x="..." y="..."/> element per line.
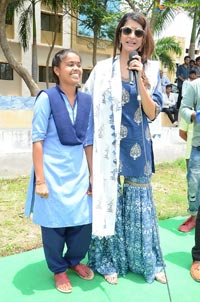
<point x="26" y="278"/>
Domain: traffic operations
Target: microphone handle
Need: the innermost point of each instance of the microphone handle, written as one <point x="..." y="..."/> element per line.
<point x="131" y="77"/>
<point x="137" y="85"/>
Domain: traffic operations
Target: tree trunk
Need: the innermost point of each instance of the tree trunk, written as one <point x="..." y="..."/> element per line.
<point x="22" y="72"/>
<point x="94" y="55"/>
<point x="153" y="17"/>
<point x="193" y="37"/>
<point x="34" y="48"/>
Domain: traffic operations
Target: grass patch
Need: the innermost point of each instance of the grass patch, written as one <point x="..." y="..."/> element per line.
<point x="170" y="189"/>
<point x="19" y="234"/>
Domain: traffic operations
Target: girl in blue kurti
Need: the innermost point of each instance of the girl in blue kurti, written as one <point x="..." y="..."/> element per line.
<point x="62" y="134"/>
<point x="125" y="230"/>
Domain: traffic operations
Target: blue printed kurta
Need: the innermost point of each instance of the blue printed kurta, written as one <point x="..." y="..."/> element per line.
<point x="135" y="144"/>
<point x="134" y="246"/>
<point x="66" y="173"/>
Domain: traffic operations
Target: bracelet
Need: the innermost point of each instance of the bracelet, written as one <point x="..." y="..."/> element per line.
<point x="38" y="182"/>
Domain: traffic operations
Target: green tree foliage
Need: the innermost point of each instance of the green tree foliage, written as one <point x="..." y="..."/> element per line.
<point x="164" y="48"/>
<point x="192" y="8"/>
<point x="99" y="17"/>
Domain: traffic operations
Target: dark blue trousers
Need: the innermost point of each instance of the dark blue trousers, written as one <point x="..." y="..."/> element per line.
<point x="65" y="247"/>
<point x="196" y="248"/>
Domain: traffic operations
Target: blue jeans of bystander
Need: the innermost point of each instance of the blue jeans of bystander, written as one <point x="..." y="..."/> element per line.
<point x="193" y="178"/>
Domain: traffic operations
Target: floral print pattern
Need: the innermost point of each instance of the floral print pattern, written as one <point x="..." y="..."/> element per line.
<point x="135" y="246"/>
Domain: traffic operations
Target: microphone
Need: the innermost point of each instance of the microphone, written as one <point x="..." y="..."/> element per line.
<point x="132" y="73"/>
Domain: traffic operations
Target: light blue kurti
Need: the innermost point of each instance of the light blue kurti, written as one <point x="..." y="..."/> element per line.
<point x="66" y="173"/>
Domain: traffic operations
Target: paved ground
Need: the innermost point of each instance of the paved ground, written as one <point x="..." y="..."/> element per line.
<point x="15" y="164"/>
<point x="167" y="147"/>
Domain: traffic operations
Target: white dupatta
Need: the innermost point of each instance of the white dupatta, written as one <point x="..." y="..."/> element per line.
<point x="104" y="84"/>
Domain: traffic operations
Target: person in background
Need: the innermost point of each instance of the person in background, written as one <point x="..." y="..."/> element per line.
<point x="164" y="81"/>
<point x="197" y="67"/>
<point x="62" y="135"/>
<point x="192" y="76"/>
<point x="126" y="94"/>
<point x="190" y="111"/>
<point x="192" y="64"/>
<point x="182" y="74"/>
<point x="169" y="105"/>
<point x="185" y="132"/>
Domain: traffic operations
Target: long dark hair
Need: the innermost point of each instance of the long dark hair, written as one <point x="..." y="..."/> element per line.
<point x="59" y="57"/>
<point x="147" y="47"/>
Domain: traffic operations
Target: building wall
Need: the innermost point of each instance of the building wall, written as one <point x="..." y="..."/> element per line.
<point x="11" y="87"/>
<point x="15" y="136"/>
<point x="67" y="39"/>
<point x="18" y="87"/>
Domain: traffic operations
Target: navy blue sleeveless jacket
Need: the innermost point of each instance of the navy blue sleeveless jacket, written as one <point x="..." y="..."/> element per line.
<point x="68" y="133"/>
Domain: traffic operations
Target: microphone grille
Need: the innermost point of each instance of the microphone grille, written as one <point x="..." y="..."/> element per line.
<point x="132" y="54"/>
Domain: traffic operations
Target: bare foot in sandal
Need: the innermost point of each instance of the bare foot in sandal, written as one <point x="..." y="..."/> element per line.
<point x="160" y="277"/>
<point x="83" y="271"/>
<point x="62" y="283"/>
<point x="112" y="278"/>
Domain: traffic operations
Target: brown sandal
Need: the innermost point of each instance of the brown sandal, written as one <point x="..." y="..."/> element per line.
<point x="83" y="271"/>
<point x="62" y="283"/>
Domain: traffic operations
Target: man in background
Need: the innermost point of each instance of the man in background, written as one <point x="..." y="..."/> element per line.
<point x="182" y="74"/>
<point x="164" y="81"/>
<point x="169" y="105"/>
<point x="190" y="111"/>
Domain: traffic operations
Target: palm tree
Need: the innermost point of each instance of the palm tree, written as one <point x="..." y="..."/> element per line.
<point x="192" y="8"/>
<point x="26" y="10"/>
<point x="160" y="19"/>
<point x="23" y="72"/>
<point x="164" y="50"/>
<point x="7" y="8"/>
<point x="195" y="35"/>
<point x="27" y="13"/>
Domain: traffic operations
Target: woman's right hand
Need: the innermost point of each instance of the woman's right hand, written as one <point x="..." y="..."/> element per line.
<point x="42" y="190"/>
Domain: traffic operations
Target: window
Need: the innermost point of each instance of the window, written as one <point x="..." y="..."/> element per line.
<point x="42" y="74"/>
<point x="48" y="22"/>
<point x="9" y="16"/>
<point x="6" y="72"/>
